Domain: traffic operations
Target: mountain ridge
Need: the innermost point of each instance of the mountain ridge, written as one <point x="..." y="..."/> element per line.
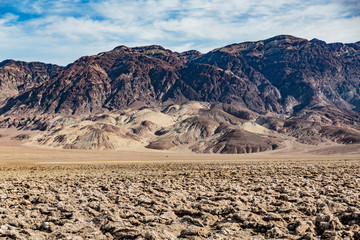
<point x="271" y="81"/>
<point x="247" y="69"/>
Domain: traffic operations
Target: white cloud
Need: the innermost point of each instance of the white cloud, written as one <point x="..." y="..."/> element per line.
<point x="68" y="29"/>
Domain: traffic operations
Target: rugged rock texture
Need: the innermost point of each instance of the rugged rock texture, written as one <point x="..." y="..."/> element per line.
<point x="254" y="200"/>
<point x="304" y="89"/>
<point x="283" y="74"/>
<point x="293" y="74"/>
<point x="112" y="80"/>
<point x="195" y="126"/>
<point x="17" y="77"/>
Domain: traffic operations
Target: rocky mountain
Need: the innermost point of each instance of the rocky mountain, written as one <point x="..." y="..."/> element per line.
<point x="17" y="77"/>
<point x="269" y="83"/>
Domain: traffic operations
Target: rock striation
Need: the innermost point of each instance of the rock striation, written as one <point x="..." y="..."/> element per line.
<point x="309" y="90"/>
<point x="283" y="74"/>
<point x="17" y="77"/>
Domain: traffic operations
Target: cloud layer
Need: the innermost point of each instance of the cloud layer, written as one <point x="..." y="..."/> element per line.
<point x="61" y="31"/>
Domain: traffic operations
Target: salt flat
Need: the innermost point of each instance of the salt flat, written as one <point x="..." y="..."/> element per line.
<point x="61" y="194"/>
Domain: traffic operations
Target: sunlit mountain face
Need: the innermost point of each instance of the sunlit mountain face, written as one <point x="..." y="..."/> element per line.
<point x="292" y="86"/>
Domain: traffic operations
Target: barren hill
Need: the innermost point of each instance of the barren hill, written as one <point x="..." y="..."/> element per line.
<point x="290" y="88"/>
<point x="17" y="77"/>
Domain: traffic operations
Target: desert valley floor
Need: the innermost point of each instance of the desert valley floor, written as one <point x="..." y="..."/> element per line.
<point x="73" y="194"/>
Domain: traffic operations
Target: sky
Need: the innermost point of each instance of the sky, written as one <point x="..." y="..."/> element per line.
<point x="61" y="31"/>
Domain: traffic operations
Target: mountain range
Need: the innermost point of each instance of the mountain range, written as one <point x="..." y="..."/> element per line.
<point x="244" y="97"/>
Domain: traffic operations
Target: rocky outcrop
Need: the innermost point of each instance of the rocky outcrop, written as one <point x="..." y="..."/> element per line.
<point x="17" y="77"/>
<point x="237" y="141"/>
<point x="195" y="126"/>
<point x="281" y="84"/>
<point x="283" y="75"/>
<point x="269" y="199"/>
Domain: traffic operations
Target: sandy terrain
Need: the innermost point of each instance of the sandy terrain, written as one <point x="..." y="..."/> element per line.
<point x="13" y="151"/>
<point x="76" y="194"/>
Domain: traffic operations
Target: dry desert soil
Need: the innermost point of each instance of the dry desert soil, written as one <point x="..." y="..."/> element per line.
<point x="72" y="194"/>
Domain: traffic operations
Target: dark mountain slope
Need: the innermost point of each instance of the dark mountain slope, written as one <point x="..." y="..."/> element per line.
<point x="314" y="74"/>
<point x="17" y="77"/>
<point x="103" y="82"/>
<point x="282" y="75"/>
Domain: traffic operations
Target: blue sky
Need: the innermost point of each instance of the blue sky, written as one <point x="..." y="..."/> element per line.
<point x="64" y="30"/>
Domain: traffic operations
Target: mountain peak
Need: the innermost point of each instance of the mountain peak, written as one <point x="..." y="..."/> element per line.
<point x="284" y="39"/>
<point x="149" y="47"/>
<point x="121" y="48"/>
<point x="313" y="84"/>
<point x="270" y="75"/>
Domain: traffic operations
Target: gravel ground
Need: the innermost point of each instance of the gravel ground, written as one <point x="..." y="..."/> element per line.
<point x="262" y="200"/>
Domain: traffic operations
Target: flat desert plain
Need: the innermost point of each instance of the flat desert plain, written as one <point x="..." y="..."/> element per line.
<point x="71" y="194"/>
